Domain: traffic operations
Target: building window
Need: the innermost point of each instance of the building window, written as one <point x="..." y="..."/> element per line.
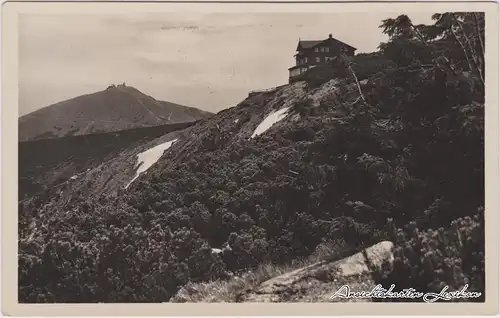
<point x="327" y="49"/>
<point x="305" y="59"/>
<point x="318" y="59"/>
<point x="315" y="49"/>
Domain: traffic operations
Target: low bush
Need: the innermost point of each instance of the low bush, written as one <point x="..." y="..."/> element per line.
<point x="430" y="260"/>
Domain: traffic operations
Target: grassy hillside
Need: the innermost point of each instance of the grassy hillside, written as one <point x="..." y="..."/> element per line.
<point x="398" y="156"/>
<point x="48" y="162"/>
<point x="113" y="109"/>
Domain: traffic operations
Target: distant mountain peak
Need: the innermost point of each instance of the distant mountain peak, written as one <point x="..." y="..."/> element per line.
<point x="115" y="108"/>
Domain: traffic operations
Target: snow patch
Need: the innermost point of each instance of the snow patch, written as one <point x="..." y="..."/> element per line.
<point x="270" y="120"/>
<point x="236" y="120"/>
<point x="216" y="250"/>
<point x="74" y="177"/>
<point x="149" y="157"/>
<point x="221" y="250"/>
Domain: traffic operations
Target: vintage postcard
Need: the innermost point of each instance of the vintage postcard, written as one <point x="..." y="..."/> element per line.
<point x="169" y="158"/>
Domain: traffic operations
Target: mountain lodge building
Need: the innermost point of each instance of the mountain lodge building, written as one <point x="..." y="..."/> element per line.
<point x="312" y="53"/>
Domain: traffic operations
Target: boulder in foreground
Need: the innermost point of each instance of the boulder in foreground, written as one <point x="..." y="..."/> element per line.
<point x="319" y="281"/>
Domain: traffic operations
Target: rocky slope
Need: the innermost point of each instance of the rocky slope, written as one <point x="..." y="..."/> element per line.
<point x="113" y="109"/>
<point x="322" y="281"/>
<point x="229" y="127"/>
<point x="48" y="162"/>
<point x="222" y="184"/>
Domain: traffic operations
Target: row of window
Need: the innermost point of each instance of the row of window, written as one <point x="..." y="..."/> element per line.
<point x="300" y="70"/>
<point x="304" y="69"/>
<point x="303" y="61"/>
<point x="321" y="49"/>
<point x="318" y="59"/>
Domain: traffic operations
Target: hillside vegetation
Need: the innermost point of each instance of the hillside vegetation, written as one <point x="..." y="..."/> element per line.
<point x="113" y="109"/>
<point x="352" y="162"/>
<point x="46" y="163"/>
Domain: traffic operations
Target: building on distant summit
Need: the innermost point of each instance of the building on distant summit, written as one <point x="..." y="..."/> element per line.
<point x="312" y="53"/>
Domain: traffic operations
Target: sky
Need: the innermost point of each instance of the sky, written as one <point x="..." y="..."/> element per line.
<point x="205" y="60"/>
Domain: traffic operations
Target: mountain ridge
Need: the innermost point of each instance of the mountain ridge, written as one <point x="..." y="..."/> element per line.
<point x="114" y="109"/>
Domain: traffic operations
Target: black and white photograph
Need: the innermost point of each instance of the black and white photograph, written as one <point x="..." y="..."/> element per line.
<point x="251" y="157"/>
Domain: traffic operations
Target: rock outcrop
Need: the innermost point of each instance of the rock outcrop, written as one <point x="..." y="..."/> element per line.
<point x="319" y="281"/>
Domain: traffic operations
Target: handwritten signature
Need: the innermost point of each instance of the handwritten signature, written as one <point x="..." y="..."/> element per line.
<point x="407" y="293"/>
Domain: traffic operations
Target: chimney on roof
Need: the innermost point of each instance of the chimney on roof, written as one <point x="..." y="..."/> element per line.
<point x="330" y="36"/>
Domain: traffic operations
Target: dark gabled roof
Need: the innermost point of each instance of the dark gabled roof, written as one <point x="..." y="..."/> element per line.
<point x="313" y="43"/>
<point x="308" y="44"/>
